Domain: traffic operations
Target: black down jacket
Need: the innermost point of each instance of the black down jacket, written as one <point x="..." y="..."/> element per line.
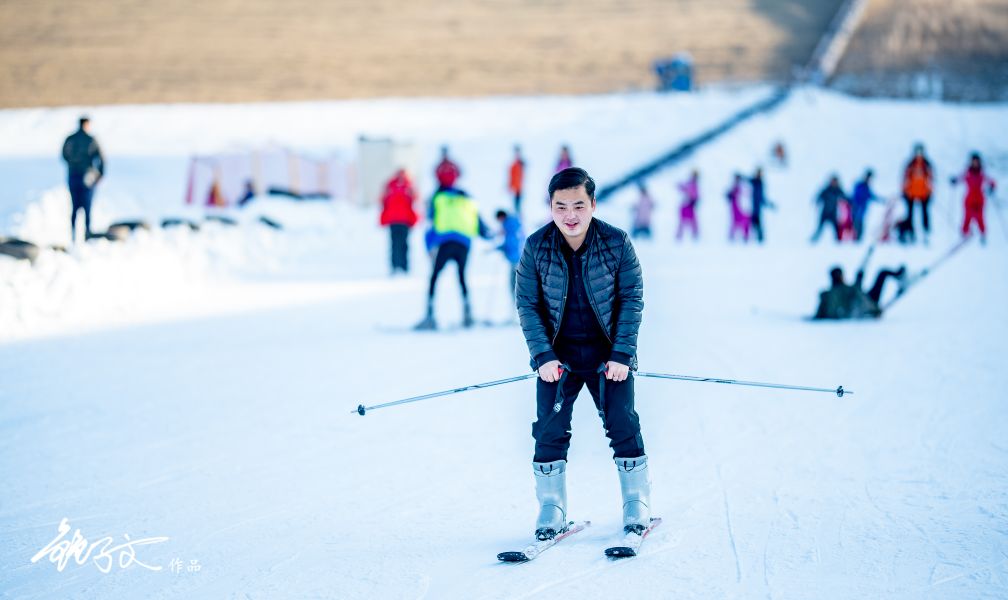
<point x="81" y="152"/>
<point x="612" y="274"/>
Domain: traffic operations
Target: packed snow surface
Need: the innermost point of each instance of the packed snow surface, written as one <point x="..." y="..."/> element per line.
<point x="201" y="386"/>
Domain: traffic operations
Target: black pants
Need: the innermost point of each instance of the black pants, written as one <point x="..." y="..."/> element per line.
<point x="823" y="219"/>
<point x="450" y="251"/>
<point x="518" y="204"/>
<point x="80" y="199"/>
<point x="925" y="217"/>
<point x="399" y="235"/>
<point x="876" y="290"/>
<point x="756" y="223"/>
<point x="552" y="429"/>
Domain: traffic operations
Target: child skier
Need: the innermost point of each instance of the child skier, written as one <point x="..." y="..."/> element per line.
<point x="973" y="203"/>
<point x="687" y="210"/>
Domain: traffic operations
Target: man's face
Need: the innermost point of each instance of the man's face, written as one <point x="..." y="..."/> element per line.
<point x="572" y="211"/>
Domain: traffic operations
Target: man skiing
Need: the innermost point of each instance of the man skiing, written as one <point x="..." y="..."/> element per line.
<point x="580" y="298"/>
<point x="455" y="221"/>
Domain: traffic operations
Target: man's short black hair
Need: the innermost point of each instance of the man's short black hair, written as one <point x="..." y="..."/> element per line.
<point x="501" y="214"/>
<point x="572" y="177"/>
<point x="83" y="120"/>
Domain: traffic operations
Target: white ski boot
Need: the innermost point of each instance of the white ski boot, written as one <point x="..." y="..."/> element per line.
<point x="635" y="484"/>
<point x="551" y="491"/>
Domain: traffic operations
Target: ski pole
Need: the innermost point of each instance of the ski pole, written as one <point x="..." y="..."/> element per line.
<point x="361" y="409"/>
<point x="839" y="391"/>
<point x="928" y="270"/>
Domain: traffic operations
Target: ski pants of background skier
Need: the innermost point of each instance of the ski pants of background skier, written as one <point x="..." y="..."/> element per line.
<point x="876" y="290"/>
<point x="450" y="251"/>
<point x="974" y="212"/>
<point x="925" y="217"/>
<point x="552" y="429"/>
<point x="824" y="218"/>
<point x="399" y="234"/>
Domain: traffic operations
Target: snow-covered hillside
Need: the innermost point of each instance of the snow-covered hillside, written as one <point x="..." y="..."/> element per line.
<point x="200" y="386"/>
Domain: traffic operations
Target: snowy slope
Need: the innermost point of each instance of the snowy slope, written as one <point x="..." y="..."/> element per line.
<point x="216" y="408"/>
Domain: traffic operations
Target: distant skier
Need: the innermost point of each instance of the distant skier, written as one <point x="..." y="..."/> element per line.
<point x="446" y="172"/>
<point x="642" y="212"/>
<point x="512" y="244"/>
<point x="739" y="219"/>
<point x="398" y="215"/>
<point x="85" y="168"/>
<point x="580" y="299"/>
<point x="973" y="204"/>
<point x="859" y="201"/>
<point x="829" y="200"/>
<point x="917" y="188"/>
<point x="779" y="154"/>
<point x="455" y="221"/>
<point x="759" y="200"/>
<point x="248" y="193"/>
<point x="516" y="178"/>
<point x="842" y="301"/>
<point x="687" y="209"/>
<point x="565" y="161"/>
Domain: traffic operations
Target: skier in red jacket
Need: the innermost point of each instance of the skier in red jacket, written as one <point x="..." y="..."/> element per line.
<point x="447" y="172"/>
<point x="398" y="215"/>
<point x="975" y="179"/>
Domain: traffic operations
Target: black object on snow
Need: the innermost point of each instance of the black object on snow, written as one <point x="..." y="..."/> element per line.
<point x="226" y="221"/>
<point x="176" y="222"/>
<point x="20" y="249"/>
<point x="270" y="222"/>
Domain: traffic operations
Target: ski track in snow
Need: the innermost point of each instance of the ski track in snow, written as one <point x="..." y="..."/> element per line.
<point x="201" y="386"/>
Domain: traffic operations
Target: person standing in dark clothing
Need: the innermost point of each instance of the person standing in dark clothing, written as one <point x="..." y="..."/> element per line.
<point x="759" y="200"/>
<point x="829" y="199"/>
<point x="85" y="167"/>
<point x="580" y="299"/>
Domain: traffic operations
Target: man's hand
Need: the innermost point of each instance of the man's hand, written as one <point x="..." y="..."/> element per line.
<point x="550" y="372"/>
<point x="615" y="371"/>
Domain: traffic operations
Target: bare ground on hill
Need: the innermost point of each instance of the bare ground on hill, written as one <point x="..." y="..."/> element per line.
<point x="57" y="52"/>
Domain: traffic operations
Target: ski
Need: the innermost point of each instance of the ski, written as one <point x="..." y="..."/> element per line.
<point x="631" y="542"/>
<point x="913" y="280"/>
<point x="538" y="547"/>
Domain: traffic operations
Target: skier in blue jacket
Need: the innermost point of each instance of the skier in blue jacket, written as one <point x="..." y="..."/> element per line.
<point x="513" y="243"/>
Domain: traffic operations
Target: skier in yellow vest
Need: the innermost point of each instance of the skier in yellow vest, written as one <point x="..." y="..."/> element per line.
<point x="455" y="222"/>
